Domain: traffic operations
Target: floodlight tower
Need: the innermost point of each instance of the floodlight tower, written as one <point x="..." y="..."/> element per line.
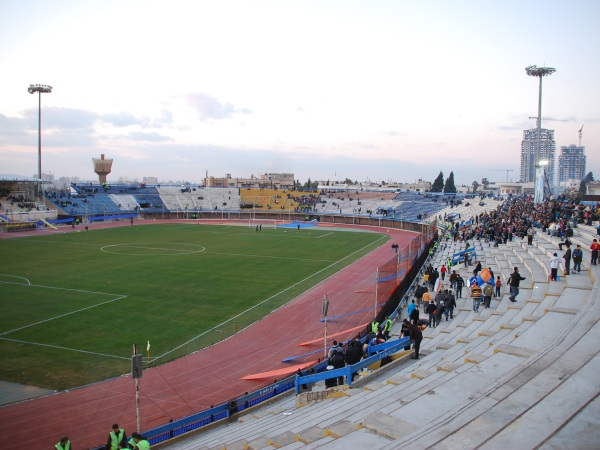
<point x="540" y="72"/>
<point x="40" y="89"/>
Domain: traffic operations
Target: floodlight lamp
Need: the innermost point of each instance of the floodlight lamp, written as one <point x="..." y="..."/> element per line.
<point x="42" y="88"/>
<point x="535" y="71"/>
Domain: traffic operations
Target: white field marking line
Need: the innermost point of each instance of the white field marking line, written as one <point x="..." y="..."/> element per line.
<point x="268" y="256"/>
<point x="64" y="348"/>
<point x="14" y="276"/>
<point x="319" y="237"/>
<point x="66" y="314"/>
<point x="267" y="299"/>
<point x="138" y="246"/>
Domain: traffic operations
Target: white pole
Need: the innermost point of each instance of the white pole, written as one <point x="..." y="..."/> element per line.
<point x="376" y="289"/>
<point x="137" y="394"/>
<point x="325" y="308"/>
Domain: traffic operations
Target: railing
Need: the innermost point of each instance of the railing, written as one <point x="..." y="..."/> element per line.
<point x="215" y="414"/>
<point x="381" y="351"/>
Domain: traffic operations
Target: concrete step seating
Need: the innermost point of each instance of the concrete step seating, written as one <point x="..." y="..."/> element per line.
<point x="476" y="373"/>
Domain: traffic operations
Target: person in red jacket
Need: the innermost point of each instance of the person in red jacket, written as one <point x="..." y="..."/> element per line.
<point x="595" y="247"/>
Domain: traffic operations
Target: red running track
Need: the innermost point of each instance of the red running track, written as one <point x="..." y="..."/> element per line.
<point x="212" y="376"/>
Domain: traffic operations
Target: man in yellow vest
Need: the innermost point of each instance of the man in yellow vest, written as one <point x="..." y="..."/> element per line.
<point x="63" y="444"/>
<point x="140" y="442"/>
<point x="387" y="327"/>
<point x="115" y="437"/>
<point x="375" y="327"/>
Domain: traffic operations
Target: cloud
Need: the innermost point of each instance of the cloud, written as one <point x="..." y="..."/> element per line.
<point x="209" y="107"/>
<point x="124" y="119"/>
<point x="61" y="118"/>
<point x="166" y="118"/>
<point x="13" y="130"/>
<point x="150" y="137"/>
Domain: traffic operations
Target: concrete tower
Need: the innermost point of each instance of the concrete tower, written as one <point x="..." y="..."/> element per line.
<point x="102" y="167"/>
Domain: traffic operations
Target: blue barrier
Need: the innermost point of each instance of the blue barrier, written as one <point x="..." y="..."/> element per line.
<point x="120" y="216"/>
<point x="384" y="351"/>
<point x="54" y="221"/>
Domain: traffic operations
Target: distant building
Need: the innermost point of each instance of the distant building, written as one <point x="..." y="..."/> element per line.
<point x="268" y="180"/>
<point x="150" y="180"/>
<point x="506" y="188"/>
<point x="593" y="188"/>
<point x="571" y="163"/>
<point x="547" y="152"/>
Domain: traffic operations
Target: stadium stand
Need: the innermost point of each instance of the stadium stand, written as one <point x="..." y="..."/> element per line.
<point x="96" y="200"/>
<point x="178" y="198"/>
<point x="488" y="379"/>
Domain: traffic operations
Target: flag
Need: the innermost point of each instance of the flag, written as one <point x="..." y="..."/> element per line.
<point x="148" y="347"/>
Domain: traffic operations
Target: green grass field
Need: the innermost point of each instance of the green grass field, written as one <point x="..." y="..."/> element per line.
<point x="74" y="303"/>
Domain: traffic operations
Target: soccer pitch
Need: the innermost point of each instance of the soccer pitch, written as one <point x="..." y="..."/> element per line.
<point x="74" y="303"/>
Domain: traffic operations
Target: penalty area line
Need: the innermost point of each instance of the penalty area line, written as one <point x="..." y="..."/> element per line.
<point x="63" y="315"/>
<point x="64" y="348"/>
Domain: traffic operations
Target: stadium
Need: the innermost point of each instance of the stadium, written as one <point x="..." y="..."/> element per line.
<point x="230" y="382"/>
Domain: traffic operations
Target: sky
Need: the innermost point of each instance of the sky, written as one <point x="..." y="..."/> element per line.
<point x="328" y="90"/>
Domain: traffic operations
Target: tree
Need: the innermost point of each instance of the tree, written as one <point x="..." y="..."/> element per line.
<point x="438" y="184"/>
<point x="475" y="186"/>
<point x="485" y="182"/>
<point x="583" y="185"/>
<point x="449" y="187"/>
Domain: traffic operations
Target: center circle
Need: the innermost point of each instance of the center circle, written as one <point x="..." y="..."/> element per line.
<point x="150" y="249"/>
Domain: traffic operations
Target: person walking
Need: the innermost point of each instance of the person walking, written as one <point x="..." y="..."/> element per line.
<point x="430" y="310"/>
<point x="476" y="296"/>
<point x="477" y="268"/>
<point x="419" y="293"/>
<point x="453" y="277"/>
<point x="513" y="282"/>
<point x="416" y="336"/>
<point x="595" y="247"/>
<point x="443" y="271"/>
<point x="426" y="300"/>
<point x="449" y="304"/>
<point x="488" y="292"/>
<point x="554" y="263"/>
<point x="498" y="286"/>
<point x="460" y="282"/>
<point x="388" y="324"/>
<point x="577" y="259"/>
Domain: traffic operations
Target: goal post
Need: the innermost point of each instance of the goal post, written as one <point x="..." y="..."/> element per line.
<point x="263" y="223"/>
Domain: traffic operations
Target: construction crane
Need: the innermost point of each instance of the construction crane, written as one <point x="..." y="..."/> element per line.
<point x="546" y="119"/>
<point x="504" y="170"/>
<point x="580" y="134"/>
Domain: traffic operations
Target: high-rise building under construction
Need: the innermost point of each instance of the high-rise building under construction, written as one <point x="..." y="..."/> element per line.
<point x="528" y="152"/>
<point x="571" y="163"/>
